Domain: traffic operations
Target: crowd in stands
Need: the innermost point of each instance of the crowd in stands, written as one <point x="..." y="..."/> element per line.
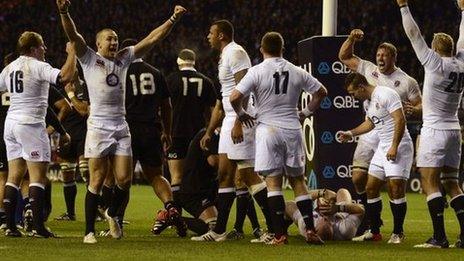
<point x="295" y="19"/>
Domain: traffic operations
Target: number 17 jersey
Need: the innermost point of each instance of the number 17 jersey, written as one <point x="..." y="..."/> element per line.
<point x="145" y="90"/>
<point x="192" y="93"/>
<point x="276" y="85"/>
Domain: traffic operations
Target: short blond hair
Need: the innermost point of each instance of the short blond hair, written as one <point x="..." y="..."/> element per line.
<point x="443" y="43"/>
<point x="389" y="47"/>
<point x="28" y="40"/>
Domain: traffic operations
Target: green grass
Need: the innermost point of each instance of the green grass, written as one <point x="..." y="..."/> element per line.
<point x="140" y="244"/>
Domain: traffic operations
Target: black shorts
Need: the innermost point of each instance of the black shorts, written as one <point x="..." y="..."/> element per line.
<point x="73" y="150"/>
<point x="146" y="143"/>
<point x="195" y="203"/>
<point x="3" y="158"/>
<point x="179" y="148"/>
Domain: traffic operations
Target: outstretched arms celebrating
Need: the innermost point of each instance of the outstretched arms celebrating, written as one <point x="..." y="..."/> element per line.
<point x="70" y="28"/>
<point x="158" y="33"/>
<point x="429" y="59"/>
<point x="346" y="53"/>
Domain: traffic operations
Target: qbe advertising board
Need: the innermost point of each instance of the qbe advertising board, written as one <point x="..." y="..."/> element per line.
<point x="329" y="160"/>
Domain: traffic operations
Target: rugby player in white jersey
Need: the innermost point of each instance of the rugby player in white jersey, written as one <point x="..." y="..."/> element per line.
<point x="439" y="151"/>
<point x="233" y="156"/>
<point x="276" y="85"/>
<point x="108" y="139"/>
<point x="336" y="217"/>
<point x="393" y="156"/>
<point x="385" y="73"/>
<point x="27" y="79"/>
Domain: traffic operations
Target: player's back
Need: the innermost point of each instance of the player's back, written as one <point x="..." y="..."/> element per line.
<point x="145" y="89"/>
<point x="442" y="92"/>
<point x="27" y="81"/>
<point x="278" y="87"/>
<point x="191" y="94"/>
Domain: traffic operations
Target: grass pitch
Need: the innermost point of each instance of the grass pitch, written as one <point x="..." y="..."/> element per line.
<point x="139" y="244"/>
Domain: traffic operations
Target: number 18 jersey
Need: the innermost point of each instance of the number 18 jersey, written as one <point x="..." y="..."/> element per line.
<point x="145" y="90"/>
<point x="276" y="85"/>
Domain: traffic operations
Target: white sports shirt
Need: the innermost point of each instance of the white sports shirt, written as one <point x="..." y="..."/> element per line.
<point x="28" y="81"/>
<point x="383" y="102"/>
<point x="344" y="225"/>
<point x="276" y="85"/>
<point x="106" y="101"/>
<point x="443" y="81"/>
<point x="233" y="60"/>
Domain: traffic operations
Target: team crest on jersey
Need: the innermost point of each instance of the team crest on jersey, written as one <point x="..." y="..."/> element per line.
<point x="100" y="63"/>
<point x="397" y="83"/>
<point x="375" y="74"/>
<point x="35" y="154"/>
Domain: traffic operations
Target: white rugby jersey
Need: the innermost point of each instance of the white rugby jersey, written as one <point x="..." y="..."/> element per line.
<point x="276" y="85"/>
<point x="383" y="102"/>
<point x="106" y="102"/>
<point x="443" y="80"/>
<point x="28" y="81"/>
<point x="344" y="224"/>
<point x="406" y="86"/>
<point x="233" y="60"/>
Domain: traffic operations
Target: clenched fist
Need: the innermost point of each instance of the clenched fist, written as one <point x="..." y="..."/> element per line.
<point x="356" y="35"/>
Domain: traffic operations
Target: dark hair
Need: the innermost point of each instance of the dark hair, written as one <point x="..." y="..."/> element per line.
<point x="128" y="42"/>
<point x="355" y="79"/>
<point x="225" y="27"/>
<point x="28" y="40"/>
<point x="272" y="43"/>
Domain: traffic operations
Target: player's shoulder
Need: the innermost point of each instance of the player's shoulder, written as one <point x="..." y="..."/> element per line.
<point x="384" y="92"/>
<point x="403" y="75"/>
<point x="234" y="50"/>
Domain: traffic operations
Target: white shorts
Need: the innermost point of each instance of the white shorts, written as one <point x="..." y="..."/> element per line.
<point x="438" y="148"/>
<point x="107" y="138"/>
<point x="27" y="141"/>
<point x="365" y="149"/>
<point x="279" y="149"/>
<point x="244" y="150"/>
<point x="382" y="168"/>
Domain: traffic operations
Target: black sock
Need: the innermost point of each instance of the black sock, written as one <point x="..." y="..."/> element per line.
<point x="9" y="202"/>
<point x="363" y="198"/>
<point x="175" y="194"/>
<point x="261" y="199"/>
<point x="305" y="206"/>
<point x="47" y="210"/>
<point x="106" y="197"/>
<point x="365" y="224"/>
<point x="277" y="209"/>
<point x="457" y="203"/>
<point x="122" y="209"/>
<point x="398" y="208"/>
<point x="37" y="200"/>
<point x="243" y="197"/>
<point x="225" y="199"/>
<point x="119" y="196"/>
<point x="27" y="204"/>
<point x="374" y="210"/>
<point x="251" y="213"/>
<point x="91" y="205"/>
<point x="436" y="208"/>
<point x="196" y="225"/>
<point x="70" y="192"/>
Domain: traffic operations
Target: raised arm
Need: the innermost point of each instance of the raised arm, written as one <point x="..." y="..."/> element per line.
<point x="69" y="67"/>
<point x="70" y="28"/>
<point x="426" y="56"/>
<point x="346" y="53"/>
<point x="460" y="43"/>
<point x="158" y="33"/>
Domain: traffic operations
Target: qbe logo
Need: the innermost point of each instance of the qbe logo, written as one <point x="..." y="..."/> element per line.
<point x="323" y="68"/>
<point x="345" y="102"/>
<point x="327" y="137"/>
<point x="326" y="103"/>
<point x="336" y="67"/>
<point x="328" y="172"/>
<point x="344" y="171"/>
